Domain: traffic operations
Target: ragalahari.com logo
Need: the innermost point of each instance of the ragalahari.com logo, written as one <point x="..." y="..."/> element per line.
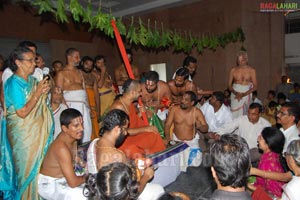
<point x="279" y="7"/>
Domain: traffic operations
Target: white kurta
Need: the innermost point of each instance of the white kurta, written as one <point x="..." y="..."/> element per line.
<point x="290" y="134"/>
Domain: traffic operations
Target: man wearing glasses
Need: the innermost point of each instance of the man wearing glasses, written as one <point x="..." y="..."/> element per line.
<point x="288" y="117"/>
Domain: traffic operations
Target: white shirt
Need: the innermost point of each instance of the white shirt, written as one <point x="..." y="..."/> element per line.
<point x="246" y="129"/>
<point x="290" y="134"/>
<point x="256" y="100"/>
<point x="38" y="74"/>
<point x="215" y="120"/>
<point x="291" y="190"/>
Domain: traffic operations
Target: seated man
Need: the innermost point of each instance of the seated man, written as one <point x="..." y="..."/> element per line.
<point x="103" y="152"/>
<point x="230" y="166"/>
<point x="142" y="139"/>
<point x="57" y="179"/>
<point x="154" y="91"/>
<point x="186" y="119"/>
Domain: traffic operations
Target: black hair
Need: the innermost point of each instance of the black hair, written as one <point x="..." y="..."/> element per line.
<point x="255" y="105"/>
<point x="272" y="104"/>
<point x="230" y="158"/>
<point x="152" y="76"/>
<point x="27" y="44"/>
<point x="70" y="51"/>
<point x="293" y="109"/>
<point x="84" y="59"/>
<point x="274" y="139"/>
<point x="99" y="57"/>
<point x="17" y="54"/>
<point x="183" y="72"/>
<point x="56" y="62"/>
<point x="280" y="95"/>
<point x="129" y="85"/>
<point x="192" y="96"/>
<point x="254" y="93"/>
<point x="219" y="96"/>
<point x="188" y="60"/>
<point x="272" y="92"/>
<point x="114" y="181"/>
<point x="112" y="119"/>
<point x="68" y="115"/>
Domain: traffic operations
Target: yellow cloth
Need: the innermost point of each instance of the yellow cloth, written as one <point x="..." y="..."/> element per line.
<point x="106" y="99"/>
<point x="91" y="98"/>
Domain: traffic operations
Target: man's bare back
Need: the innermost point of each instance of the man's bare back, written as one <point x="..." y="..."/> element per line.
<point x="106" y="154"/>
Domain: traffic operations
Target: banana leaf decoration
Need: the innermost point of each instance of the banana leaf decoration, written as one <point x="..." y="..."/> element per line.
<point x="121" y="27"/>
<point x="142" y="33"/>
<point x="60" y="12"/>
<point x="44" y="6"/>
<point x="149" y="36"/>
<point x="76" y="10"/>
<point x="132" y="35"/>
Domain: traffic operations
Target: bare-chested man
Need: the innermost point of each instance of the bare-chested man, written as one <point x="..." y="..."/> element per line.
<point x="121" y="74"/>
<point x="91" y="87"/>
<point x="242" y="82"/>
<point x="180" y="85"/>
<point x="102" y="151"/>
<point x="142" y="139"/>
<point x="57" y="179"/>
<point x="154" y="91"/>
<point x="187" y="119"/>
<point x="70" y="80"/>
<point x="105" y="85"/>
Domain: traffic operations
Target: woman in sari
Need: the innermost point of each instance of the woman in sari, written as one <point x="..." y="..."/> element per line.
<point x="29" y="123"/>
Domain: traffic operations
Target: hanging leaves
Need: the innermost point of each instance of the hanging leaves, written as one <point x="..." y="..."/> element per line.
<point x="60" y="12"/>
<point x="44" y="6"/>
<point x="137" y="33"/>
<point x="76" y="10"/>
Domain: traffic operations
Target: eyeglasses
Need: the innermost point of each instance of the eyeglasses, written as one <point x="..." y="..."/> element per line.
<point x="282" y="113"/>
<point x="32" y="60"/>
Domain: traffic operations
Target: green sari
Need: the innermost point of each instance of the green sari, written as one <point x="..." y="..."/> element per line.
<point x="30" y="137"/>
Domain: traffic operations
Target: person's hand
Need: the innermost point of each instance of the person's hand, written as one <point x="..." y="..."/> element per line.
<point x="148" y="173"/>
<point x="43" y="87"/>
<point x="239" y="96"/>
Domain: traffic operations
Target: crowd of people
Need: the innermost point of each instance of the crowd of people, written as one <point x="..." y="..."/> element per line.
<point x="48" y="112"/>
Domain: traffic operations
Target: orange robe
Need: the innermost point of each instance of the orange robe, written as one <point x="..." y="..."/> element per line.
<point x="137" y="146"/>
<point x="91" y="97"/>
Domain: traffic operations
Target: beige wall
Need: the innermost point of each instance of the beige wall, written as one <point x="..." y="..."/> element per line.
<point x="264" y="39"/>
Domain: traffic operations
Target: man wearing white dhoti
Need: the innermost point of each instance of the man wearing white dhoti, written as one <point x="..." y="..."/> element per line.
<point x="70" y="80"/>
<point x="242" y="82"/>
<point x="57" y="179"/>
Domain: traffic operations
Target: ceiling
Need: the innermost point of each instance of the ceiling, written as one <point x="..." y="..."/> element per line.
<point x="120" y="8"/>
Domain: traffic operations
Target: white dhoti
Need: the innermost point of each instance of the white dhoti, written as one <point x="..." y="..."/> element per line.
<point x="57" y="189"/>
<point x="240" y="107"/>
<point x="77" y="99"/>
<point x="191" y="156"/>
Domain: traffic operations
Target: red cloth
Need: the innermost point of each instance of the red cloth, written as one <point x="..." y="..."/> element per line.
<point x="142" y="144"/>
<point x="260" y="194"/>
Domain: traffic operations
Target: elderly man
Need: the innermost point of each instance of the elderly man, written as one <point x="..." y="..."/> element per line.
<point x="249" y="127"/>
<point x="242" y="82"/>
<point x="70" y="80"/>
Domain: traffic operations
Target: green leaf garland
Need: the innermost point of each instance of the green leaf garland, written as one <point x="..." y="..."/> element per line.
<point x="136" y="33"/>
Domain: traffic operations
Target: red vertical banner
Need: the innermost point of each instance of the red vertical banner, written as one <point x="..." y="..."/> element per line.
<point x="126" y="61"/>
